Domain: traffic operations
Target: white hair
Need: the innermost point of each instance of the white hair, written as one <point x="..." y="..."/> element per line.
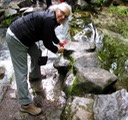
<point x="61" y="6"/>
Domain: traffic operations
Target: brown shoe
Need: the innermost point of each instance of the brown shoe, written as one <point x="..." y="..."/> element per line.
<point x="31" y="109"/>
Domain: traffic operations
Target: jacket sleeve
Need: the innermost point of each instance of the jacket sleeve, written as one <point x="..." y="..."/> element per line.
<point x="53" y="36"/>
<point x="49" y="36"/>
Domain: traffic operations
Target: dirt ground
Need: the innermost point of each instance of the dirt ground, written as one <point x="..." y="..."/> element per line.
<point x="9" y="108"/>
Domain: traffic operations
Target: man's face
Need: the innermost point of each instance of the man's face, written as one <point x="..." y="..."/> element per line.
<point x="62" y="15"/>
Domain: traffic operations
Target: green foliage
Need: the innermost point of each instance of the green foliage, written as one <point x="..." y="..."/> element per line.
<point x="121" y="27"/>
<point x="74" y="90"/>
<point x="113" y="56"/>
<point x="88" y="33"/>
<point x="121" y="11"/>
<point x="79" y="21"/>
<point x="74" y="31"/>
<point x="77" y="89"/>
<point x="72" y="63"/>
<point x="7" y="21"/>
<point x="101" y="2"/>
<point x="66" y="113"/>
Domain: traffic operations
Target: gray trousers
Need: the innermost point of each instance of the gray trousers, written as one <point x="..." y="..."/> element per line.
<point x="18" y="54"/>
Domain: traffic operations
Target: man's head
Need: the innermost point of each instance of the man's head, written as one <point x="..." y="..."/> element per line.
<point x="63" y="11"/>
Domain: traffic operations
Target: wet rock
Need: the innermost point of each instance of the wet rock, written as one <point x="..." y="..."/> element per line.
<point x="2" y="72"/>
<point x="86" y="60"/>
<point x="24" y="3"/>
<point x="112" y="106"/>
<point x="4" y="83"/>
<point x="14" y="5"/>
<point x="10" y="12"/>
<point x="79" y="108"/>
<point x="1" y="12"/>
<point x="92" y="80"/>
<point x="62" y="65"/>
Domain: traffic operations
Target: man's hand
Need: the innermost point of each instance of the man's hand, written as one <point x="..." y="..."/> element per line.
<point x="60" y="49"/>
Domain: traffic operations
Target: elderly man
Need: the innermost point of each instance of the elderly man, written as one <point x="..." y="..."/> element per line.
<point x="21" y="37"/>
